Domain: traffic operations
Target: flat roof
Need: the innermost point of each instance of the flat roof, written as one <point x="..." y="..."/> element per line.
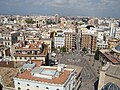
<point x="55" y="80"/>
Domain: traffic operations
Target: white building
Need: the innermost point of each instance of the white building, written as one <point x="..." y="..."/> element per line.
<point x="102" y="45"/>
<point x="59" y="39"/>
<point x="117" y="33"/>
<point x="100" y="34"/>
<point x="114" y="25"/>
<point x="46" y="78"/>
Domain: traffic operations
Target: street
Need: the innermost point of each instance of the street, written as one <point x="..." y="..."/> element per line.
<point x="88" y="74"/>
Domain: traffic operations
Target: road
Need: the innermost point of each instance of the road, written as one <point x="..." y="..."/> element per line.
<point x="88" y="73"/>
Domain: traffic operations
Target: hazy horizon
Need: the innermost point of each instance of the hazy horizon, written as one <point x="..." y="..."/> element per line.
<point x="97" y="8"/>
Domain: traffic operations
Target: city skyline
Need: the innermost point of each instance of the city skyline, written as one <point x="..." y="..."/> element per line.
<point x="99" y="8"/>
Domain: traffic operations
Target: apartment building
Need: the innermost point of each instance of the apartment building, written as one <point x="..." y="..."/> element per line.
<point x="22" y="51"/>
<point x="10" y="38"/>
<point x="46" y="78"/>
<point x="70" y="39"/>
<point x="89" y="42"/>
<point x="59" y="39"/>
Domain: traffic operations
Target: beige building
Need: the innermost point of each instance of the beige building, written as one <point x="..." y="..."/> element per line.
<point x="24" y="51"/>
<point x="70" y="40"/>
<point x="109" y="74"/>
<point x="93" y="21"/>
<point x="112" y="42"/>
<point x="89" y="42"/>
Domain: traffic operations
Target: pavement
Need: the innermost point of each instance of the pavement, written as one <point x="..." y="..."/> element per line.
<point x="89" y="72"/>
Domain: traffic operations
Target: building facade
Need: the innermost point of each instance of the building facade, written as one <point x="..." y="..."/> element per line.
<point x="59" y="39"/>
<point x="70" y="40"/>
<point x="23" y="51"/>
<point x="46" y="78"/>
<point x="89" y="42"/>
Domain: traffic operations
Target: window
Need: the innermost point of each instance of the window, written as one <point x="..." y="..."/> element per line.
<point x="15" y="57"/>
<point x="37" y="86"/>
<point x="28" y="89"/>
<point x="19" y="88"/>
<point x="57" y="89"/>
<point x="47" y="88"/>
<point x="20" y="57"/>
<point x="18" y="83"/>
<point x="28" y="85"/>
<point x="34" y="57"/>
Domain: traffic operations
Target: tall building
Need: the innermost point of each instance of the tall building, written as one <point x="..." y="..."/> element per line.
<point x="59" y="39"/>
<point x="113" y="29"/>
<point x="56" y="18"/>
<point x="89" y="42"/>
<point x="70" y="40"/>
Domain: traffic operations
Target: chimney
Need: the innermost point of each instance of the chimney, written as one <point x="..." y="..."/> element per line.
<point x="61" y="67"/>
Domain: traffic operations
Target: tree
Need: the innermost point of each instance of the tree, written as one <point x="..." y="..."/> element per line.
<point x="49" y="22"/>
<point x="29" y="21"/>
<point x="97" y="52"/>
<point x="84" y="50"/>
<point x="63" y="49"/>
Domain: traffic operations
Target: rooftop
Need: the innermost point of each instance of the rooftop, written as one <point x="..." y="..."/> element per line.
<point x="7" y="75"/>
<point x="109" y="56"/>
<point x="36" y="46"/>
<point x="31" y="64"/>
<point x="113" y="40"/>
<point x="46" y="74"/>
<point x="113" y="70"/>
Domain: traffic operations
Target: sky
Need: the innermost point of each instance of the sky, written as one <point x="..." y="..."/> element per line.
<point x="99" y="8"/>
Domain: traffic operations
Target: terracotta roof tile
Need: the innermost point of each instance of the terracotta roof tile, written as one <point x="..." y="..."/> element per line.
<point x="56" y="80"/>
